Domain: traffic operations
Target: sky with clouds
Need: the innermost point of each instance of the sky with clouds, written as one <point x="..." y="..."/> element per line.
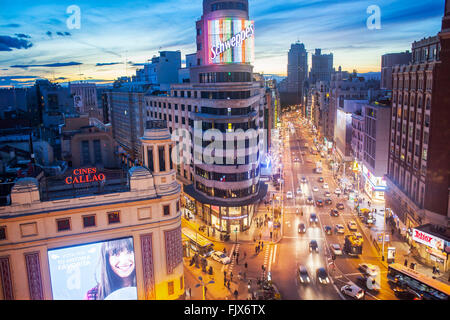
<point x="116" y="37"/>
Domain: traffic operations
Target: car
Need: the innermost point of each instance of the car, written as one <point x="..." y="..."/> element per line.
<point x="337" y="191"/>
<point x="407" y="294"/>
<point x="339" y="229"/>
<point x="368" y="269"/>
<point x="328" y="201"/>
<point x="319" y="203"/>
<point x="303" y="275"/>
<point x="320" y="180"/>
<point x="340" y="206"/>
<point x="310" y="200"/>
<point x="352" y="225"/>
<point x="334" y="213"/>
<point x="313" y="246"/>
<point x="296" y="160"/>
<point x="289" y="195"/>
<point x="220" y="257"/>
<point x="327" y="230"/>
<point x="327" y="194"/>
<point x="301" y="228"/>
<point x="304" y="180"/>
<point x="315" y="189"/>
<point x="352" y="290"/>
<point x="336" y="249"/>
<point x="313" y="218"/>
<point x="299" y="191"/>
<point x="325" y="186"/>
<point x="322" y="276"/>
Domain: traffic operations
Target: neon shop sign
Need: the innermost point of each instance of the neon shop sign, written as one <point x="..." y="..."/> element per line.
<point x="234" y="41"/>
<point x="85" y="175"/>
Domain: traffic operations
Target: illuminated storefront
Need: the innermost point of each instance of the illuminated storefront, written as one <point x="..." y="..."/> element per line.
<point x="432" y="245"/>
<point x="373" y="186"/>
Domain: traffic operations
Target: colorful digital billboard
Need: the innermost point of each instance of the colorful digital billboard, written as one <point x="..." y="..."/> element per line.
<point x="231" y="41"/>
<point x="97" y="271"/>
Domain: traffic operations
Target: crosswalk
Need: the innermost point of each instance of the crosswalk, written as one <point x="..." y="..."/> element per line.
<point x="230" y="266"/>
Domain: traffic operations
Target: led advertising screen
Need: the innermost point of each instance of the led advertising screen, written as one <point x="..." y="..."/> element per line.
<point x="97" y="271"/>
<point x="231" y="41"/>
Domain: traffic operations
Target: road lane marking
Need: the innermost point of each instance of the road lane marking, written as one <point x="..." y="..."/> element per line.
<point x="275" y="253"/>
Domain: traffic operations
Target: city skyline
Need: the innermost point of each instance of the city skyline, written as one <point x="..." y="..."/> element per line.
<point x="36" y="42"/>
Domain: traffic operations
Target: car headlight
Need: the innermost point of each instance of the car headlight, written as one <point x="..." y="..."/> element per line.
<point x="301" y="280"/>
<point x="307" y="279"/>
<point x="320" y="280"/>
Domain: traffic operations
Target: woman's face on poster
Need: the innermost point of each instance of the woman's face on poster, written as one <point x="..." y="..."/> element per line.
<point x="122" y="263"/>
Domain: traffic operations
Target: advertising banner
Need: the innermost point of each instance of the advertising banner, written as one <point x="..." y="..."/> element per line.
<point x="428" y="239"/>
<point x="97" y="271"/>
<point x="230" y="41"/>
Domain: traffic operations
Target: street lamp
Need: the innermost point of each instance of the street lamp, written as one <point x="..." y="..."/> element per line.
<point x="203" y="285"/>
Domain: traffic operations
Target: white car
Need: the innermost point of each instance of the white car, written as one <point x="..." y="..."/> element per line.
<point x="369" y="269"/>
<point x="336" y="249"/>
<point x="339" y="228"/>
<point x="315" y="189"/>
<point x="325" y="185"/>
<point x="352" y="225"/>
<point x="299" y="191"/>
<point x="337" y="191"/>
<point x="353" y="291"/>
<point x="221" y="257"/>
<point x="289" y="195"/>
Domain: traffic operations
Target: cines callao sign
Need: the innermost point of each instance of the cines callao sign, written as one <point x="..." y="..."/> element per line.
<point x="85" y="175"/>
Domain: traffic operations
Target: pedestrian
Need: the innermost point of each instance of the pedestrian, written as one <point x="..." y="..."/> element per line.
<point x="245" y="266"/>
<point x="434" y="270"/>
<point x="224" y="282"/>
<point x="224" y="274"/>
<point x="406" y="263"/>
<point x="231" y="276"/>
<point x="262" y="245"/>
<point x="234" y="253"/>
<point x="438" y="271"/>
<point x="228" y="284"/>
<point x="256" y="250"/>
<point x="237" y="257"/>
<point x="245" y="255"/>
<point x="225" y="250"/>
<point x="236" y="293"/>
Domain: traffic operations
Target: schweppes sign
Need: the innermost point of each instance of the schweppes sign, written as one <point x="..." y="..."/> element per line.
<point x="85" y="175"/>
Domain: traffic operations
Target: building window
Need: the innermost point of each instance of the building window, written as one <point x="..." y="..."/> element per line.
<point x="162" y="159"/>
<point x="85" y="156"/>
<point x="170" y="287"/>
<point x="170" y="158"/>
<point x="150" y="159"/>
<point x="114" y="217"/>
<point x="63" y="224"/>
<point x="97" y="152"/>
<point x="2" y="233"/>
<point x="89" y="221"/>
<point x="166" y="210"/>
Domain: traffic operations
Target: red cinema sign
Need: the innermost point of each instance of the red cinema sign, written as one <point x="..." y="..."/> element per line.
<point x="85" y="175"/>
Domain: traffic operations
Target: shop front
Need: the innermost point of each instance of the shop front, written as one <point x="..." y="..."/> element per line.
<point x="432" y="246"/>
<point x="374" y="187"/>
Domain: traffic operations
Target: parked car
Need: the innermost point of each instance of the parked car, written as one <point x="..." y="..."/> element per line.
<point x="352" y="225"/>
<point x="303" y="275"/>
<point x="319" y="203"/>
<point x="339" y="229"/>
<point x="313" y="246"/>
<point x="340" y="206"/>
<point x="322" y="276"/>
<point x="327" y="230"/>
<point x="301" y="228"/>
<point x="328" y="201"/>
<point x="352" y="290"/>
<point x="334" y="213"/>
<point x="221" y="257"/>
<point x="289" y="195"/>
<point x="336" y="249"/>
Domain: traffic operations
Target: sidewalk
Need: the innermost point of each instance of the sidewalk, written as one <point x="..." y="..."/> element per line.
<point x="403" y="251"/>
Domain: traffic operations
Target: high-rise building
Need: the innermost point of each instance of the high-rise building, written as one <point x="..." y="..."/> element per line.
<point x="417" y="178"/>
<point x="297" y="72"/>
<point x="220" y="112"/>
<point x="388" y="61"/>
<point x="321" y="67"/>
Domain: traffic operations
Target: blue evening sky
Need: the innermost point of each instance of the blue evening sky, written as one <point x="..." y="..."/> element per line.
<point x="35" y="40"/>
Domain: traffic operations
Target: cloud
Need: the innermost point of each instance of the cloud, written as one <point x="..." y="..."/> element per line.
<point x="10" y="25"/>
<point x="21" y="35"/>
<point x="107" y="64"/>
<point x="7" y="43"/>
<point x="67" y="33"/>
<point x="49" y="33"/>
<point x="16" y="77"/>
<point x="50" y="65"/>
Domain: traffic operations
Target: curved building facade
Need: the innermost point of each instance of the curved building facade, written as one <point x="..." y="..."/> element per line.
<point x="222" y="111"/>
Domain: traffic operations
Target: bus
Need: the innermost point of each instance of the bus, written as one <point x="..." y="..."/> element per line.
<point x="407" y="278"/>
<point x="197" y="242"/>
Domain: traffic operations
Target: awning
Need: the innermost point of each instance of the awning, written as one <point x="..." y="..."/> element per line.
<point x="190" y="191"/>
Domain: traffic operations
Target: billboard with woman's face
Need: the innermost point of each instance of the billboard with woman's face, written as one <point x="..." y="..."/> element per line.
<point x="98" y="271"/>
